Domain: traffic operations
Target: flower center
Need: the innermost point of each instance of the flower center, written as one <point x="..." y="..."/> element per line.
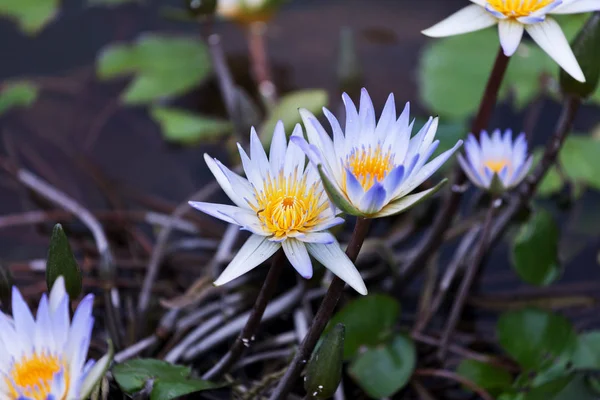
<point x="369" y="165"/>
<point x="496" y="165"/>
<point x="518" y="8"/>
<point x="288" y="205"/>
<point x="31" y="377"/>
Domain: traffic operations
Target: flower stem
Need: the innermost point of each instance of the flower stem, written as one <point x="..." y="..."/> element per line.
<point x="260" y="63"/>
<point x="450" y="204"/>
<point x="467" y="281"/>
<point x="253" y="322"/>
<point x="323" y="315"/>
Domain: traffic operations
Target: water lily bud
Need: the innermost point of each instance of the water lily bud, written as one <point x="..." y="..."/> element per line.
<point x="201" y="7"/>
<point x="586" y="48"/>
<point x="61" y="262"/>
<point x="324" y="371"/>
<point x="247" y="11"/>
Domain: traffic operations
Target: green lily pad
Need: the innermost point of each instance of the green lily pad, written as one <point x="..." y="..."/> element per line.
<point x="163" y="66"/>
<point x="580" y="159"/>
<point x="485" y="375"/>
<point x="587" y="354"/>
<point x="184" y="127"/>
<point x="368" y="320"/>
<point x="384" y="370"/>
<point x="30" y="15"/>
<point x="17" y="94"/>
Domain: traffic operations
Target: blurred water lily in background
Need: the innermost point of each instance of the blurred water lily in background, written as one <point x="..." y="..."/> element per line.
<point x="284" y="205"/>
<point x="496" y="163"/>
<point x="370" y="168"/>
<point x="45" y="358"/>
<point x="247" y="11"/>
<point x="516" y="16"/>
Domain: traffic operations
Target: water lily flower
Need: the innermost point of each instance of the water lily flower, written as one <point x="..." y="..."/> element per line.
<point x="45" y="358"/>
<point x="370" y="169"/>
<point x="247" y="11"/>
<point x="496" y="164"/>
<point x="283" y="204"/>
<point x="515" y="16"/>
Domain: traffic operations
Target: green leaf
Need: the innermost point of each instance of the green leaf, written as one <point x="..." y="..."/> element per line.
<point x="167" y="390"/>
<point x="368" y="320"/>
<point x="324" y="370"/>
<point x="586" y="48"/>
<point x="485" y="375"/>
<point x="17" y="94"/>
<point x="184" y="127"/>
<point x="574" y="387"/>
<point x="163" y="66"/>
<point x="552" y="182"/>
<point x="132" y="375"/>
<point x="587" y="354"/>
<point x="535" y="250"/>
<point x="287" y="111"/>
<point x="580" y="159"/>
<point x="61" y="262"/>
<point x="30" y="15"/>
<point x="384" y="370"/>
<point x="536" y="338"/>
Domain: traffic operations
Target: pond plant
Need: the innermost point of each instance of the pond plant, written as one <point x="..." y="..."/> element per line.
<point x="187" y="309"/>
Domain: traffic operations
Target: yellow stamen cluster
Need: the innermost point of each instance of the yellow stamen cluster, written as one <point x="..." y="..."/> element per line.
<point x="518" y="8"/>
<point x="31" y="377"/>
<point x="288" y="205"/>
<point x="369" y="165"/>
<point x="496" y="165"/>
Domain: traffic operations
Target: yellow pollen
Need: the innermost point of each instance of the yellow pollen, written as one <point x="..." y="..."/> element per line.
<point x="496" y="165"/>
<point x="289" y="205"/>
<point x="518" y="8"/>
<point x="369" y="165"/>
<point x="32" y="377"/>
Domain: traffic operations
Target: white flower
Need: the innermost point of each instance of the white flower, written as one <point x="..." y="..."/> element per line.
<point x="496" y="157"/>
<point x="45" y="358"/>
<point x="515" y="16"/>
<point x="246" y="10"/>
<point x="284" y="205"/>
<point x="370" y="169"/>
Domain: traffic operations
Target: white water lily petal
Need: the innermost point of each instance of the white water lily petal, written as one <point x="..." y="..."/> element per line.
<point x="407" y="202"/>
<point x="57" y="293"/>
<point x="469" y="19"/>
<point x="550" y="37"/>
<point x="333" y="258"/>
<point x="278" y="149"/>
<point x="317" y="237"/>
<point x="220" y="211"/>
<point x="254" y="252"/>
<point x="222" y="180"/>
<point x="511" y="33"/>
<point x="577" y="6"/>
<point x="296" y="253"/>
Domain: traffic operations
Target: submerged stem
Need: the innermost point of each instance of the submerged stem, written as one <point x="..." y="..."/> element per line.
<point x="451" y="201"/>
<point x="467" y="281"/>
<point x="253" y="322"/>
<point x="323" y="315"/>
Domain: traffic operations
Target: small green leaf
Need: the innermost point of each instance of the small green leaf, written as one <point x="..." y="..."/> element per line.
<point x="184" y="127"/>
<point x="485" y="375"/>
<point x="587" y="354"/>
<point x="324" y="370"/>
<point x="287" y="111"/>
<point x="580" y="159"/>
<point x="552" y="182"/>
<point x="132" y="375"/>
<point x="166" y="390"/>
<point x="30" y="15"/>
<point x="61" y="261"/>
<point x="17" y="94"/>
<point x="163" y="66"/>
<point x="368" y="320"/>
<point x="536" y="338"/>
<point x="586" y="48"/>
<point x="535" y="250"/>
<point x="384" y="370"/>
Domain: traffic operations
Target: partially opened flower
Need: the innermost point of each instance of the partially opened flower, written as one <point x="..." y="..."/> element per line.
<point x="515" y="16"/>
<point x="496" y="164"/>
<point x="246" y="11"/>
<point x="370" y="169"/>
<point x="44" y="358"/>
<point x="283" y="204"/>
